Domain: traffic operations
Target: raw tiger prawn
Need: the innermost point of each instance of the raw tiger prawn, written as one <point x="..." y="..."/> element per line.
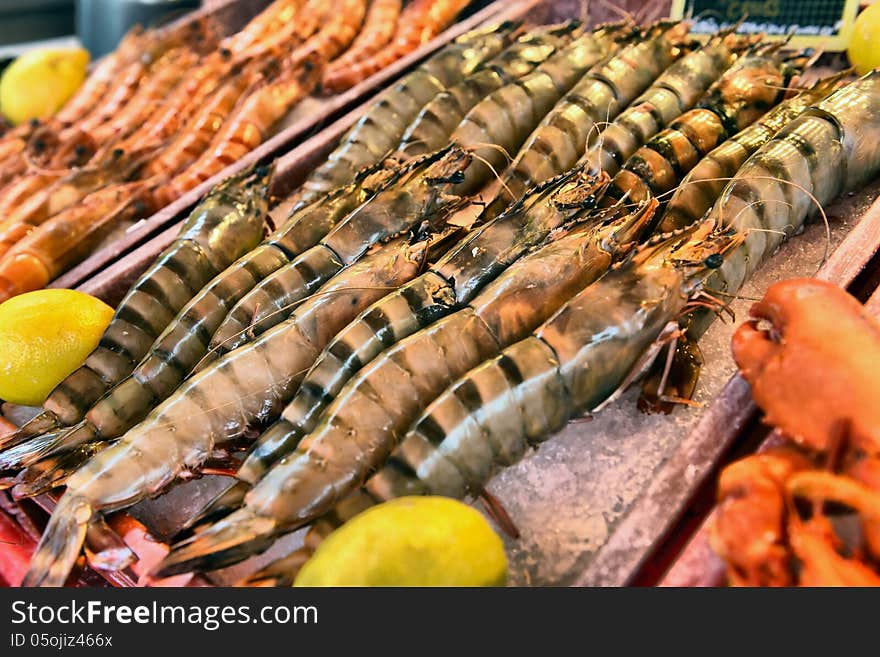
<point x="207" y="306"/>
<point x="750" y="198"/>
<point x="417" y="194"/>
<point x="778" y="519"/>
<point x="379" y="27"/>
<point x="523" y="296"/>
<point x="40" y="197"/>
<point x="760" y="200"/>
<point x="420" y="21"/>
<point x="553" y="77"/>
<point x="315" y="320"/>
<point x="264" y="305"/>
<point x="275" y="297"/>
<point x="438" y="119"/>
<point x="746" y="91"/>
<point x="447" y="285"/>
<point x="700" y="188"/>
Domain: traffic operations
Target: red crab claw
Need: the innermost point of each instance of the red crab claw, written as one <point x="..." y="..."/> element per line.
<point x="816" y="366"/>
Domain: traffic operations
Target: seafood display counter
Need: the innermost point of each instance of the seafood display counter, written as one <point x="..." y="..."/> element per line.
<point x="478" y="288"/>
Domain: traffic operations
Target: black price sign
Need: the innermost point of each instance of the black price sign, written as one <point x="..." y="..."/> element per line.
<point x="818" y="23"/>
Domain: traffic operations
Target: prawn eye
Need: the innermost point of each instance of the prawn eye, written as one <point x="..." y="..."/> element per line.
<point x="714" y="261"/>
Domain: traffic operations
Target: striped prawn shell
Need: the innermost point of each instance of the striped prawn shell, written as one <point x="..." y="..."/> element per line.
<point x="203" y="247"/>
<point x="248" y="125"/>
<point x="832" y="147"/>
<point x="560" y="139"/>
<point x="366" y="421"/>
<point x="500" y="123"/>
<point x="420" y="195"/>
<point x="273" y="17"/>
<point x="438" y="119"/>
<point x="700" y="188"/>
<point x="748" y="89"/>
<point x="379" y="130"/>
<point x="198" y="317"/>
<point x="219" y="403"/>
<point x="188" y="338"/>
<point x="303" y="229"/>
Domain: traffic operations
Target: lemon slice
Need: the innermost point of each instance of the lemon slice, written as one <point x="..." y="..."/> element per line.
<point x="44" y="336"/>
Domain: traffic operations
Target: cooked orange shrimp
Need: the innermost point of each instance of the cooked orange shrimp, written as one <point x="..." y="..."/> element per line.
<point x="420" y="21"/>
<point x="247" y="128"/>
<point x="379" y="27"/>
<point x="65" y="240"/>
